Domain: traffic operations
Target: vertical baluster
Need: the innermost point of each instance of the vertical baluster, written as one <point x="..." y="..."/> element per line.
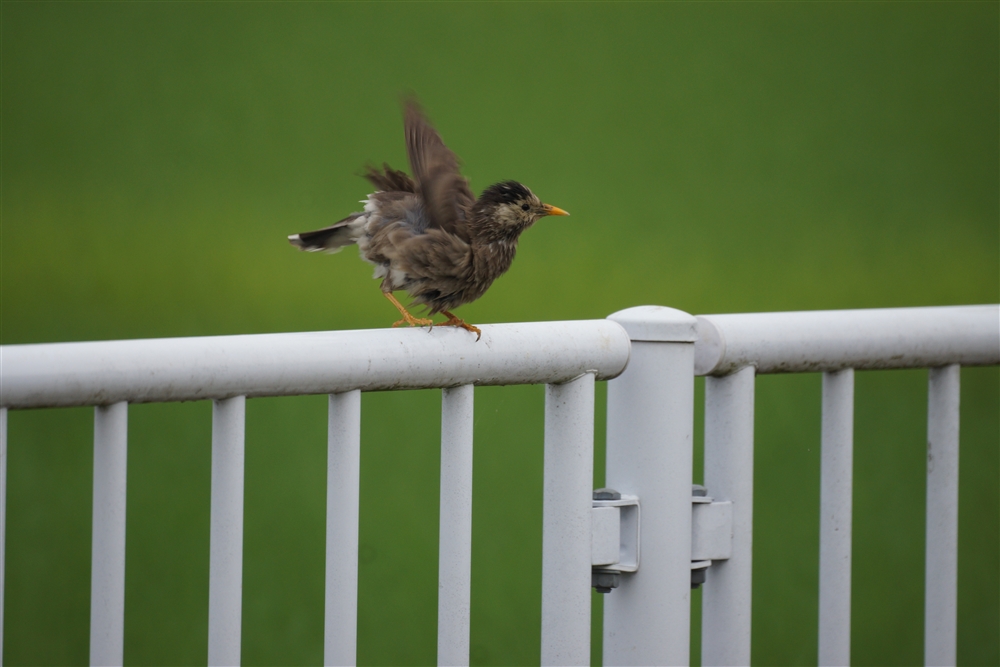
<point x="107" y="569"/>
<point x="3" y="515"/>
<point x="566" y="504"/>
<point x="835" y="503"/>
<point x="225" y="587"/>
<point x="726" y="595"/>
<point x="455" y="552"/>
<point x="343" y="476"/>
<point x="941" y="603"/>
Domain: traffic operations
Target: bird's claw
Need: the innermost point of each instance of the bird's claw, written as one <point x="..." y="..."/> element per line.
<point x="456" y="322"/>
<point x="415" y="322"/>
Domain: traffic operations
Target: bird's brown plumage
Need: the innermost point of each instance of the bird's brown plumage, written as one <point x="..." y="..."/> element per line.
<point x="429" y="235"/>
<point x="445" y="192"/>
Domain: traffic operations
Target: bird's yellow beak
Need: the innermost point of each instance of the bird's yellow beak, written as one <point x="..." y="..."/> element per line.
<point x="554" y="210"/>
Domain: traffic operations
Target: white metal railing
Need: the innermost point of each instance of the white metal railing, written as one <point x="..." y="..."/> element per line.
<point x="566" y="356"/>
<point x="649" y="456"/>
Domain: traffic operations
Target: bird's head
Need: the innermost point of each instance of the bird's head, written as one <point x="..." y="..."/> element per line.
<point x="508" y="208"/>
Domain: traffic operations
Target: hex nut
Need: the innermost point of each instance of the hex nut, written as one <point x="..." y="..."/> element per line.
<point x="606" y="494"/>
<point x="604" y="580"/>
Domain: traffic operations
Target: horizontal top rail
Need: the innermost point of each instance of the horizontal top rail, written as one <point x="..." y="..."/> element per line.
<point x="323" y="362"/>
<point x="830" y="340"/>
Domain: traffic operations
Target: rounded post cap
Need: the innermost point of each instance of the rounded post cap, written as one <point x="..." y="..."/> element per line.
<point x="657" y="324"/>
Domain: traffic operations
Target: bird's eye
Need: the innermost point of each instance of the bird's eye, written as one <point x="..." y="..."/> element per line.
<point x="524" y="207"/>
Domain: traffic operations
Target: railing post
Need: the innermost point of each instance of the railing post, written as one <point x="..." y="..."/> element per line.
<point x="566" y="505"/>
<point x="835" y="522"/>
<point x="941" y="575"/>
<point x="107" y="567"/>
<point x="649" y="454"/>
<point x="343" y="480"/>
<point x="726" y="595"/>
<point x="225" y="569"/>
<point x="455" y="527"/>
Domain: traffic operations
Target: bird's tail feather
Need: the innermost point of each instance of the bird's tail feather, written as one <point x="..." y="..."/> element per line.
<point x="333" y="238"/>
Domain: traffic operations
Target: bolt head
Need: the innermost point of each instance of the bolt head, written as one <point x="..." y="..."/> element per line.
<point x="604" y="580"/>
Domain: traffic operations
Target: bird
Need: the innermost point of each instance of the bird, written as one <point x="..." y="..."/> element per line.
<point x="428" y="234"/>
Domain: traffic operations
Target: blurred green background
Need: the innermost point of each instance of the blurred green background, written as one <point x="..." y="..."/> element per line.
<point x="716" y="157"/>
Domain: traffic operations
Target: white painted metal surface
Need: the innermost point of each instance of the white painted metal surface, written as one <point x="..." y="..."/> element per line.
<point x="568" y="470"/>
<point x="650" y="410"/>
<point x="225" y="569"/>
<point x="455" y="532"/>
<point x="605" y="535"/>
<point x="835" y="504"/>
<point x="615" y="542"/>
<point x="711" y="529"/>
<point x="649" y="454"/>
<point x="343" y="482"/>
<point x="188" y="369"/>
<point x="227" y="369"/>
<point x="107" y="573"/>
<point x="726" y="596"/>
<point x="941" y="574"/>
<point x="3" y="515"/>
<point x="830" y="340"/>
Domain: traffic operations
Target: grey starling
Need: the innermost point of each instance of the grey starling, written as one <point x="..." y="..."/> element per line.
<point x="429" y="235"/>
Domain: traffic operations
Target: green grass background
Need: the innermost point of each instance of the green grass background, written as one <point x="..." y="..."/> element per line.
<point x="716" y="157"/>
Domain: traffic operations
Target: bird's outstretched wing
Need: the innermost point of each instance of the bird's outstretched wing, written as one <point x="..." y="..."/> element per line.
<point x="445" y="192"/>
<point x="388" y="179"/>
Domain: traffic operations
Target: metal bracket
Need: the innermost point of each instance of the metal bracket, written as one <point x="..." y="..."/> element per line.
<point x="711" y="533"/>
<point x="614" y="544"/>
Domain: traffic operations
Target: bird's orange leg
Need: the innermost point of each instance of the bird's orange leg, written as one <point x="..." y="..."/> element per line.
<point x="454" y="321"/>
<point x="407" y="318"/>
